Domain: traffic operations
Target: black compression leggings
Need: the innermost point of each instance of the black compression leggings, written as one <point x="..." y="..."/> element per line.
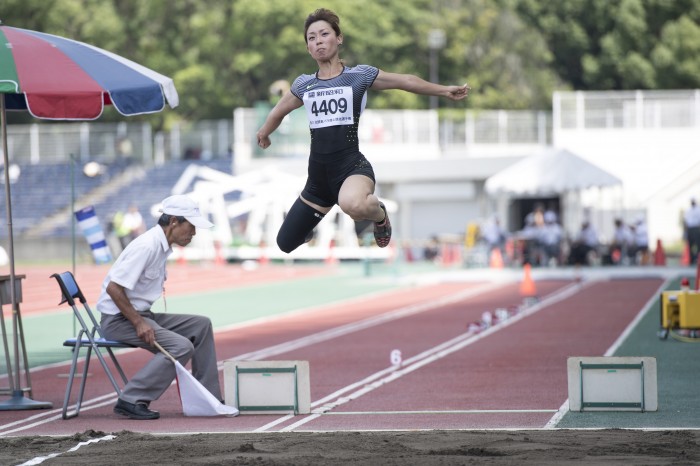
<point x="299" y="222"/>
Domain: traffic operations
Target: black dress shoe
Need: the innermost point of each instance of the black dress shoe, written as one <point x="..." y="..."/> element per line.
<point x="135" y="411"/>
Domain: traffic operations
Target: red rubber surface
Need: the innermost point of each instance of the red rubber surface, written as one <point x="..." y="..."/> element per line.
<point x="519" y="367"/>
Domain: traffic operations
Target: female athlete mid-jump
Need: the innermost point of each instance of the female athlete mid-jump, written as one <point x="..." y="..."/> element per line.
<point x="334" y="98"/>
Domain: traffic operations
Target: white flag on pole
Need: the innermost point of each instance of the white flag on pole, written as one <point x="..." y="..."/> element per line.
<point x="197" y="400"/>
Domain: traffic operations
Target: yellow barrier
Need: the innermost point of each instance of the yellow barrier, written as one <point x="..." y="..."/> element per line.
<point x="680" y="310"/>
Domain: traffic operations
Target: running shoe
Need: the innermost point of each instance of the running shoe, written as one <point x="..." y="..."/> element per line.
<point x="382" y="230"/>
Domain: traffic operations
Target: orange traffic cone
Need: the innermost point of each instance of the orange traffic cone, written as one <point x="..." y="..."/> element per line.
<point x="685" y="257"/>
<point x="496" y="259"/>
<point x="330" y="258"/>
<point x="218" y="254"/>
<point x="659" y="254"/>
<point x="262" y="258"/>
<point x="616" y="256"/>
<point x="527" y="286"/>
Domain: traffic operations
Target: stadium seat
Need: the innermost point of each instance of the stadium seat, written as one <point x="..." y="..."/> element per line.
<point x="89" y="337"/>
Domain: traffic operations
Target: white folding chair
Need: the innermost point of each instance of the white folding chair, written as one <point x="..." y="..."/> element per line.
<point x="89" y="337"/>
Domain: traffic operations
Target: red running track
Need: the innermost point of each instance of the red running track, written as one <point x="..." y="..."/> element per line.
<point x="510" y="376"/>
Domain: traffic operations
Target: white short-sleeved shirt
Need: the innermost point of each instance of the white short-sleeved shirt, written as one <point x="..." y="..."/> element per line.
<point x="589" y="236"/>
<point x="140" y="269"/>
<point x="692" y="217"/>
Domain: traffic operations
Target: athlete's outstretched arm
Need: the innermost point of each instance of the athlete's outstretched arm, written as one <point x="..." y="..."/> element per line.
<point x="284" y="107"/>
<point x="416" y="85"/>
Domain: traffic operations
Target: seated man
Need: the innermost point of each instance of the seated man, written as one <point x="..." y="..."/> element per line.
<point x="550" y="237"/>
<point x="639" y="245"/>
<point x="622" y="237"/>
<point x="132" y="285"/>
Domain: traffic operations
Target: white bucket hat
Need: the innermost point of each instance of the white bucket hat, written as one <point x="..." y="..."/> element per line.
<point x="182" y="206"/>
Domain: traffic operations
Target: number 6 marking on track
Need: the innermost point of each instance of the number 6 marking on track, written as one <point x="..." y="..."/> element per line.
<point x="395" y="357"/>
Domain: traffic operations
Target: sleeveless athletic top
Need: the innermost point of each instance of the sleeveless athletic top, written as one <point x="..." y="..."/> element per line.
<point x="333" y="107"/>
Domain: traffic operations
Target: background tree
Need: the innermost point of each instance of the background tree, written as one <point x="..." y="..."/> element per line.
<point x="626" y="44"/>
<point x="225" y="54"/>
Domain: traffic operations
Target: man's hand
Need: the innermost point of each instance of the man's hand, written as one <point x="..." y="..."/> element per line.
<point x="145" y="332"/>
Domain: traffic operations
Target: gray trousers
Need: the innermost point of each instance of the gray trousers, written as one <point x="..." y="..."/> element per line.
<point x="184" y="336"/>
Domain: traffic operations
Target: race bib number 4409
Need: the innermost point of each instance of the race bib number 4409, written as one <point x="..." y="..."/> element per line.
<point x="329" y="107"/>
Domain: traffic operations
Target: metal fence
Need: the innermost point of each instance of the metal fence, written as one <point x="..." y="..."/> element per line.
<point x="111" y="142"/>
<point x="403" y="128"/>
<point x="451" y="132"/>
<point x="627" y="109"/>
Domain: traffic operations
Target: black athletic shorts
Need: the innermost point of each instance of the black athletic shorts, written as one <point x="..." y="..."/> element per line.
<point x="325" y="178"/>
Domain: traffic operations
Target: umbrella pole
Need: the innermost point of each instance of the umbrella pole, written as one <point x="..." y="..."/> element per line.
<point x="8" y="361"/>
<point x="18" y="400"/>
<point x="13" y="377"/>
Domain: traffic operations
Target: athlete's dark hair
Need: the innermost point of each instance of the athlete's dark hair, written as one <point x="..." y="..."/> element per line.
<point x="322" y="14"/>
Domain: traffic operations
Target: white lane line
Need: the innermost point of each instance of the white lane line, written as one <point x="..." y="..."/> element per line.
<point x="86" y="406"/>
<point x="432" y="355"/>
<point x="429" y="352"/>
<point x="642" y="312"/>
<point x="366" y="323"/>
<point x="367" y="380"/>
<point x="296" y="312"/>
<point x="456" y="411"/>
<point x="274" y="423"/>
<point x="53" y="418"/>
<point x="564" y="408"/>
<point x="306" y="341"/>
<point x="391" y="369"/>
<point x="554" y="420"/>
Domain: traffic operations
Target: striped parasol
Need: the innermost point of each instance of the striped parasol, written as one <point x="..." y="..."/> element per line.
<point x="62" y="79"/>
<point x="55" y="78"/>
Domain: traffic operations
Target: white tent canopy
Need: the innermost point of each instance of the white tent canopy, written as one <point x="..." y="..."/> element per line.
<point x="553" y="172"/>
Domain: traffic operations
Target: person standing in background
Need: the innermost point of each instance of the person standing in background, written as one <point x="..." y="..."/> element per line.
<point x="584" y="249"/>
<point x="691" y="220"/>
<point x="620" y="243"/>
<point x="494" y="235"/>
<point x="550" y="237"/>
<point x="133" y="222"/>
<point x="121" y="231"/>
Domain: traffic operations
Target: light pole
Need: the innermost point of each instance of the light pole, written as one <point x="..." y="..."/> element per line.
<point x="436" y="41"/>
